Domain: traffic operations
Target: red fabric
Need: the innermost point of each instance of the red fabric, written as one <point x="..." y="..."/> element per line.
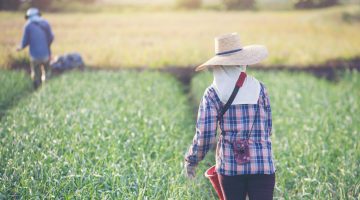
<point x="214" y="179"/>
<point x="241" y="79"/>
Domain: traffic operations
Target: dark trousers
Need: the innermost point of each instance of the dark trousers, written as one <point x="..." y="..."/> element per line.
<point x="40" y="71"/>
<point x="256" y="186"/>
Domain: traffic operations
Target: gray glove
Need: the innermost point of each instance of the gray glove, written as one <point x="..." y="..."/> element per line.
<point x="189" y="171"/>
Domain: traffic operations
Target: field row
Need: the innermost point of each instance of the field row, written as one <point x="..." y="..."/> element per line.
<point x="14" y="86"/>
<point x="99" y="135"/>
<point x="123" y="135"/>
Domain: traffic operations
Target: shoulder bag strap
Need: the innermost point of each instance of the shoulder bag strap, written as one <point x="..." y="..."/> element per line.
<point x="238" y="85"/>
<point x="257" y="111"/>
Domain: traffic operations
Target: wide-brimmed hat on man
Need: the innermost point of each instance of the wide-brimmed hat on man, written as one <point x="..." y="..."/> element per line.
<point x="229" y="51"/>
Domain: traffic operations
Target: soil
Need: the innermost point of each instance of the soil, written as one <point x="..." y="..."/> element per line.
<point x="329" y="70"/>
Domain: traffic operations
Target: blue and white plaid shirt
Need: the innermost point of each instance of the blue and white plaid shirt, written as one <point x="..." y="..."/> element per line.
<point x="237" y="122"/>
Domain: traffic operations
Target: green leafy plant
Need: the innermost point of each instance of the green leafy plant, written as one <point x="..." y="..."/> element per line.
<point x="100" y="135"/>
<point x="14" y="85"/>
<point x="305" y="4"/>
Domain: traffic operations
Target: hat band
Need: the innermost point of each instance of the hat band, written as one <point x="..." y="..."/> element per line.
<point x="227" y="52"/>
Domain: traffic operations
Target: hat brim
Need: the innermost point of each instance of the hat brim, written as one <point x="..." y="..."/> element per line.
<point x="249" y="55"/>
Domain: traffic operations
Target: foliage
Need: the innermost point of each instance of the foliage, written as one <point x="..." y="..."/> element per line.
<point x="316" y="129"/>
<point x="189" y="4"/>
<point x="100" y="135"/>
<point x="109" y="135"/>
<point x="87" y="1"/>
<point x="303" y="4"/>
<point x="351" y="17"/>
<point x="239" y="4"/>
<point x="14" y="85"/>
<point x="9" y="4"/>
<point x="41" y="4"/>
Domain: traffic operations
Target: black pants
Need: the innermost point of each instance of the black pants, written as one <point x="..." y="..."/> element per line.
<point x="257" y="186"/>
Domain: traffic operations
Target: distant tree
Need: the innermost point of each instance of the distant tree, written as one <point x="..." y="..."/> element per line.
<point x="306" y="4"/>
<point x="327" y="3"/>
<point x="9" y="4"/>
<point x="86" y="1"/>
<point x="303" y="4"/>
<point x="189" y="4"/>
<point x="41" y="4"/>
<point x="239" y="4"/>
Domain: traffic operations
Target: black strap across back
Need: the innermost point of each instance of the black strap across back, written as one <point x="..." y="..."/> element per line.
<point x="238" y="85"/>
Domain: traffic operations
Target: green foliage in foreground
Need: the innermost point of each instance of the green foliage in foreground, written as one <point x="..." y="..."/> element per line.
<point x="316" y="133"/>
<point x="100" y="135"/>
<point x="13" y="86"/>
<point x="123" y="135"/>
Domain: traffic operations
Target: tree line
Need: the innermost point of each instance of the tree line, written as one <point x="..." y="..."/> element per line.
<point x="251" y="4"/>
<point x="188" y="4"/>
<point x="41" y="4"/>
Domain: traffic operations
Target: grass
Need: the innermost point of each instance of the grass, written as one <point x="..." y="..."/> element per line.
<point x="316" y="130"/>
<point x="14" y="85"/>
<point x="185" y="38"/>
<point x="99" y="135"/>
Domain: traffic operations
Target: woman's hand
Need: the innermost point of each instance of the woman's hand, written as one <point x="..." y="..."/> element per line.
<point x="189" y="171"/>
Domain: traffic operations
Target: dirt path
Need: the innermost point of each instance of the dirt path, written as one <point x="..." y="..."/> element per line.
<point x="329" y="70"/>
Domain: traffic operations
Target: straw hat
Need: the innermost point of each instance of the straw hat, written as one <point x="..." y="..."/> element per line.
<point x="229" y="51"/>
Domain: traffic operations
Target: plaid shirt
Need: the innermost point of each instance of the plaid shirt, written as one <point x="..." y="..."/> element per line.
<point x="236" y="124"/>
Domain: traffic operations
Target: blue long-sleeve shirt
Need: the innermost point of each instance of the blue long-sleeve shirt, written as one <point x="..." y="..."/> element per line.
<point x="38" y="38"/>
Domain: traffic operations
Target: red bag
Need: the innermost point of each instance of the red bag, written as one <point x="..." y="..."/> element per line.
<point x="212" y="175"/>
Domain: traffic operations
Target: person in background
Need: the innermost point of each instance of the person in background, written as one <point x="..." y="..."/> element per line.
<point x="244" y="160"/>
<point x="38" y="35"/>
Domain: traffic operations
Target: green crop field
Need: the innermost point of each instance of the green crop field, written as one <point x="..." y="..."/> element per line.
<point x="119" y="135"/>
<point x="316" y="130"/>
<point x="14" y="85"/>
<point x="185" y="38"/>
<point x="99" y="135"/>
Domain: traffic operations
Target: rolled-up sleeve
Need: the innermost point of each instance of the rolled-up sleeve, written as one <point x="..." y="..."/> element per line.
<point x="205" y="135"/>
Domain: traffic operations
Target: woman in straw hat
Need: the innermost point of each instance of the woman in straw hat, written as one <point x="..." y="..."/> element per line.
<point x="240" y="105"/>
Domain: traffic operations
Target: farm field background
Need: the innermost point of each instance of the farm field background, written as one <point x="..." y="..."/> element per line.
<point x="122" y="134"/>
<point x="184" y="38"/>
<point x="118" y="135"/>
